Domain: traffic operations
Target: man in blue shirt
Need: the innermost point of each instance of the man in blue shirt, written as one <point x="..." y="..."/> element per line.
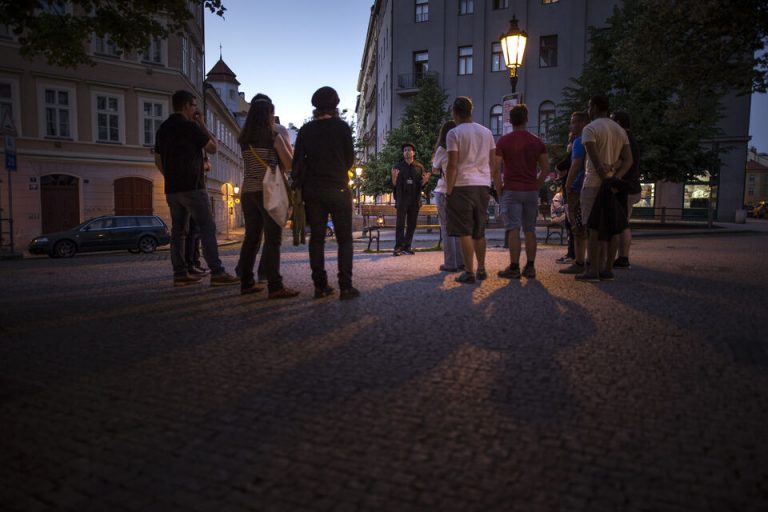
<point x="573" y="190"/>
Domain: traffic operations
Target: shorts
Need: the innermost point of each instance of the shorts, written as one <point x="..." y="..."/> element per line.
<point x="578" y="228"/>
<point x="468" y="211"/>
<point x="519" y="208"/>
<point x="587" y="198"/>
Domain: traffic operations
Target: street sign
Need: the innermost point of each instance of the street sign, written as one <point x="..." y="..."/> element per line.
<point x="10" y="153"/>
<point x="7" y="125"/>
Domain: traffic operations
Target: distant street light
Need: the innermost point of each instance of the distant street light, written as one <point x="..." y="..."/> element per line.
<point x="358" y="173"/>
<point x="513" y="48"/>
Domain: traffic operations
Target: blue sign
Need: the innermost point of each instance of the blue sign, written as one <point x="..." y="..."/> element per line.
<point x="10" y="153"/>
<point x="10" y="161"/>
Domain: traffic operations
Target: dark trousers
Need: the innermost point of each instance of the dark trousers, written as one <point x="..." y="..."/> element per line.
<point x="571" y="250"/>
<point x="319" y="204"/>
<point x="192" y="245"/>
<point x="196" y="205"/>
<point x="257" y="220"/>
<point x="405" y="226"/>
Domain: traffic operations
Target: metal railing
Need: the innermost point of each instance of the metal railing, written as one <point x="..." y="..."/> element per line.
<point x="410" y="81"/>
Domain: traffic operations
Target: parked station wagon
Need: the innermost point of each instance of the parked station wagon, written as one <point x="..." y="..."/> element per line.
<point x="135" y="233"/>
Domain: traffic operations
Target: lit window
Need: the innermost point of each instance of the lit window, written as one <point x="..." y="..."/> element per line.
<point x="422" y="11"/>
<point x="497" y="59"/>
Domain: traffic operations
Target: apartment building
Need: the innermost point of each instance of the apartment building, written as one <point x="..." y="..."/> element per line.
<point x="457" y="42"/>
<point x="85" y="136"/>
<point x="756" y="178"/>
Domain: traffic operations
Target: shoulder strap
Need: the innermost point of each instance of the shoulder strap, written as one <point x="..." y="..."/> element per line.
<point x="261" y="160"/>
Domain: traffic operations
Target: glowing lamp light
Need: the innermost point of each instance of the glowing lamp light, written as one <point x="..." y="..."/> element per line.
<point x="513" y="48"/>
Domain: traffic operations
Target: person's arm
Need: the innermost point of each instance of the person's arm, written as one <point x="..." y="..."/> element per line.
<point x="494" y="161"/>
<point x="626" y="161"/>
<point x="595" y="159"/>
<point x="451" y="171"/>
<point x="393" y="174"/>
<point x="543" y="163"/>
<point x="576" y="163"/>
<point x="211" y="146"/>
<point x="283" y="153"/>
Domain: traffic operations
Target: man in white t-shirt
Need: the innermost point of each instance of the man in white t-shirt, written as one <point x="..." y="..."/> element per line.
<point x="608" y="156"/>
<point x="471" y="156"/>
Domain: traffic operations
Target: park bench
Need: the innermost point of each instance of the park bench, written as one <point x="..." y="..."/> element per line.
<point x="553" y="228"/>
<point x="377" y="217"/>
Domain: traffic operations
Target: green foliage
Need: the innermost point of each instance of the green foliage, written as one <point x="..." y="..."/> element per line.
<point x="60" y="32"/>
<point x="670" y="65"/>
<point x="420" y="125"/>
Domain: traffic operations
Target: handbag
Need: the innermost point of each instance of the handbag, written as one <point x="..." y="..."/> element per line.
<point x="277" y="201"/>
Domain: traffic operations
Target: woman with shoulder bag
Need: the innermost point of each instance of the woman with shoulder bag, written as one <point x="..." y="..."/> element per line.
<point x="262" y="150"/>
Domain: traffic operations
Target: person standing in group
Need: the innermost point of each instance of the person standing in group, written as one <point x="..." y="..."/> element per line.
<point x="179" y="146"/>
<point x="471" y="156"/>
<point x="323" y="155"/>
<point x="262" y="149"/>
<point x="609" y="155"/>
<point x="408" y="178"/>
<point x="526" y="166"/>
<point x="573" y="186"/>
<point x="632" y="178"/>
<point x="452" y="258"/>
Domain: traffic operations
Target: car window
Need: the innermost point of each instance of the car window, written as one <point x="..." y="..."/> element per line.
<point x="101" y="224"/>
<point x="125" y="222"/>
<point x="149" y="221"/>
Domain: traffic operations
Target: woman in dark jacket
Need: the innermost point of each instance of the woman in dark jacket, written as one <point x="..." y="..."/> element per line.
<point x="323" y="155"/>
<point x="261" y="147"/>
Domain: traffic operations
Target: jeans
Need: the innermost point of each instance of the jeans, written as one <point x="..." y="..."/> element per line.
<point x="319" y="204"/>
<point x="407" y="215"/>
<point x="257" y="220"/>
<point x="192" y="204"/>
<point x="192" y="246"/>
<point x="452" y="256"/>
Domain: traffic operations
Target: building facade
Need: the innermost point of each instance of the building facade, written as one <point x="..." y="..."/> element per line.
<point x="756" y="178"/>
<point x="85" y="136"/>
<point x="457" y="42"/>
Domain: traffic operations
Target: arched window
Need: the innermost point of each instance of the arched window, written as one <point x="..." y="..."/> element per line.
<point x="497" y="121"/>
<point x="546" y="119"/>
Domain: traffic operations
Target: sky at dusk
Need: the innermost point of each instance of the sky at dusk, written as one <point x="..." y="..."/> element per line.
<point x="287" y="50"/>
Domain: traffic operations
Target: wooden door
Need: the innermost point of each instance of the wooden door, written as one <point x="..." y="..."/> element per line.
<point x="60" y="202"/>
<point x="133" y="196"/>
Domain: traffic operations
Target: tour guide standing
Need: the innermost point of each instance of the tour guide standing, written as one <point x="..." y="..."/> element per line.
<point x="471" y="155"/>
<point x="179" y="157"/>
<point x="408" y="178"/>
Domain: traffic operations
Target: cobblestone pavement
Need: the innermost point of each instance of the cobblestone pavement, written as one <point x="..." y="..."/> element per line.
<point x="119" y="392"/>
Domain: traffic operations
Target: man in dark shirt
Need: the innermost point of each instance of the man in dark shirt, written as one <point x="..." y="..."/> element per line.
<point x="408" y="178"/>
<point x="179" y="146"/>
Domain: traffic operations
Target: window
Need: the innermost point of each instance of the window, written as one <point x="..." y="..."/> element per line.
<point x="193" y="64"/>
<point x="107" y="118"/>
<point x="497" y="121"/>
<point x="57" y="113"/>
<point x="549" y="1"/>
<point x="185" y="55"/>
<point x="152" y="116"/>
<point x="500" y="4"/>
<point x="422" y="11"/>
<point x="546" y="119"/>
<point x="154" y="52"/>
<point x="548" y="51"/>
<point x="751" y="178"/>
<point x="466" y="7"/>
<point x="465" y="60"/>
<point x="102" y="45"/>
<point x="6" y="100"/>
<point x="420" y="63"/>
<point x="497" y="59"/>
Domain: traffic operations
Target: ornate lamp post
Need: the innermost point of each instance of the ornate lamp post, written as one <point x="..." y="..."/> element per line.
<point x="513" y="48"/>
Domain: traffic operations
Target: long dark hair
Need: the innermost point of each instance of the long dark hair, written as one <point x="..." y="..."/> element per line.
<point x="259" y="128"/>
<point x="447" y="126"/>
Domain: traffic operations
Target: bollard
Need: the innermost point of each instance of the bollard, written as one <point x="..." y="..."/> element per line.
<point x="663" y="214"/>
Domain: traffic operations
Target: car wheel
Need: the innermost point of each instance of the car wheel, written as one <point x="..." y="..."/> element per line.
<point x="147" y="244"/>
<point x="64" y="249"/>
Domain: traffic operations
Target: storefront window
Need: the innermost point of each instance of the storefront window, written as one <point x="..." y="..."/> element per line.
<point x="698" y="193"/>
<point x="647" y="195"/>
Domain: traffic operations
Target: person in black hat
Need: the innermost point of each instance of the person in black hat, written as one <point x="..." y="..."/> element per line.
<point x="323" y="154"/>
<point x="408" y="178"/>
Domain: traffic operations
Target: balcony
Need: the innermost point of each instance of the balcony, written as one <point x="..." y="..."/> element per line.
<point x="408" y="84"/>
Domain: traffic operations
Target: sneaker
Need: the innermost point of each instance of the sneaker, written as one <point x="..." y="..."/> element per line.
<point x="408" y="250"/>
<point x="466" y="278"/>
<point x="224" y="279"/>
<point x="622" y="262"/>
<point x="325" y="291"/>
<point x="444" y="268"/>
<point x="198" y="271"/>
<point x="529" y="271"/>
<point x="262" y="279"/>
<point x="573" y="268"/>
<point x="588" y="277"/>
<point x="606" y="276"/>
<point x="510" y="273"/>
<point x="349" y="293"/>
<point x="481" y="274"/>
<point x="185" y="280"/>
<point x="283" y="293"/>
<point x="252" y="288"/>
<point x="397" y="252"/>
<point x="565" y="260"/>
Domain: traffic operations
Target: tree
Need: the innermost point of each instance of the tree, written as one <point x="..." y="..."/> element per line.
<point x="670" y="65"/>
<point x="51" y="30"/>
<point x="419" y="125"/>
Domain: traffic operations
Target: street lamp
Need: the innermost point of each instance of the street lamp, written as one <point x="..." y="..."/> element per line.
<point x="513" y="48"/>
<point x="358" y="173"/>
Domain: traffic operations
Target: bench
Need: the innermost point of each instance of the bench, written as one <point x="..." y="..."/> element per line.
<point x="377" y="217"/>
<point x="553" y="228"/>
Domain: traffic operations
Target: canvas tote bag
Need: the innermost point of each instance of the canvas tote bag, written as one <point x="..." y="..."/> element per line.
<point x="276" y="199"/>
